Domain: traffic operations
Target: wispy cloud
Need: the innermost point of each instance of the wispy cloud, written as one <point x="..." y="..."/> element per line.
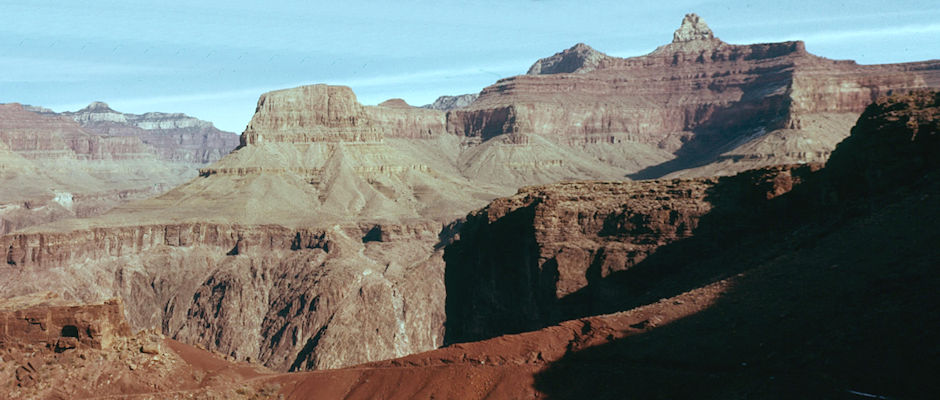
<point x="835" y="36"/>
<point x="366" y="82"/>
<point x="369" y="89"/>
<point x="28" y="69"/>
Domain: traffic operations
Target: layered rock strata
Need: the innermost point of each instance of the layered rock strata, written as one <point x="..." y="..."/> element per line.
<point x="53" y="168"/>
<point x="317" y="244"/>
<point x="171" y="136"/>
<point x="796" y="309"/>
<point x="696" y="104"/>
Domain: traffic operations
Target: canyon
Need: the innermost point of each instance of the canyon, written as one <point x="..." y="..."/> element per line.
<point x="797" y="299"/>
<point x="337" y="235"/>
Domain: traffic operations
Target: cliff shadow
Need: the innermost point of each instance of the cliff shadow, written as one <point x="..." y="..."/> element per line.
<point x="741" y="218"/>
<point x="842" y="309"/>
<point x="497" y="284"/>
<point x="522" y="306"/>
<point x="721" y="128"/>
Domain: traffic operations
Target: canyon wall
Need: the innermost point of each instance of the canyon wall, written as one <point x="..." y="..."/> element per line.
<point x="697" y="106"/>
<point x="316" y="244"/>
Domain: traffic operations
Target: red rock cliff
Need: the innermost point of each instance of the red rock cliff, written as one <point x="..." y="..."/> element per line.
<point x="699" y="98"/>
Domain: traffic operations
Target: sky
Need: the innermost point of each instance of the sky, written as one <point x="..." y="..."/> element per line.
<point x="212" y="59"/>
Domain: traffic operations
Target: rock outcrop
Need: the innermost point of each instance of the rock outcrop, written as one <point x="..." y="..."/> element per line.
<point x="61" y="327"/>
<point x="568" y="239"/>
<point x="771" y="266"/>
<point x="693" y="28"/>
<point x="695" y="107"/>
<point x="53" y="350"/>
<point x="320" y="242"/>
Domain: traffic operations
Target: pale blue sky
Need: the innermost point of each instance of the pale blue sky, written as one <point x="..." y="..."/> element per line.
<point x="212" y="59"/>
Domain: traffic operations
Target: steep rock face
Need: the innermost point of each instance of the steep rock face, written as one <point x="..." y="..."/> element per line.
<point x="563" y="236"/>
<point x="568" y="239"/>
<point x="396" y="119"/>
<point x="317" y="113"/>
<point x="776" y="266"/>
<point x="331" y="114"/>
<point x="447" y="103"/>
<point x="173" y="137"/>
<point x="693" y="28"/>
<point x="35" y="136"/>
<point x="716" y="108"/>
<point x="291" y="299"/>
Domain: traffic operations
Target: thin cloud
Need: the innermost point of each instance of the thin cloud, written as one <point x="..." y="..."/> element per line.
<point x="27" y="69"/>
<point x="849" y="35"/>
<point x="369" y="82"/>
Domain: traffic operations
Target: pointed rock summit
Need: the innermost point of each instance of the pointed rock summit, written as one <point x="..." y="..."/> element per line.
<point x="693" y="28"/>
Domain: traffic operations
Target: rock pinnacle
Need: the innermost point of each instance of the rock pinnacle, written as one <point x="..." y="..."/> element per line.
<point x="693" y="28"/>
